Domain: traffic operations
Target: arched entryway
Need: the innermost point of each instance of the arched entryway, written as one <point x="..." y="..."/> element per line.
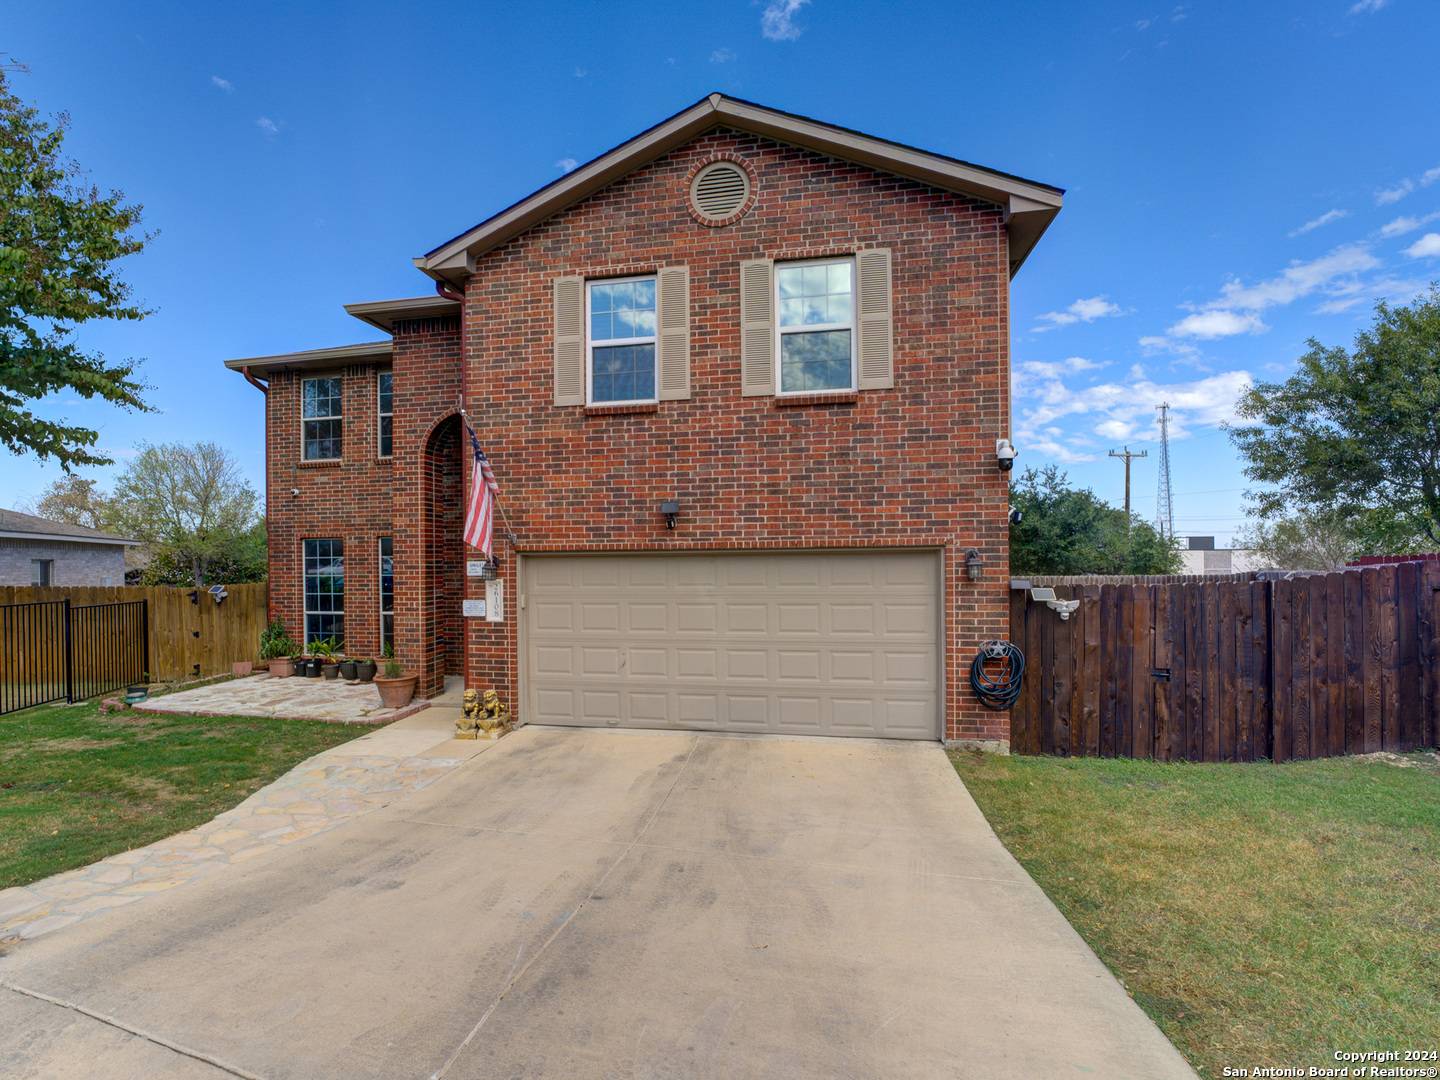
<point x="442" y="569"/>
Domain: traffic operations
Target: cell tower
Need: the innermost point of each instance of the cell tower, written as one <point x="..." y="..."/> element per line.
<point x="1164" y="511"/>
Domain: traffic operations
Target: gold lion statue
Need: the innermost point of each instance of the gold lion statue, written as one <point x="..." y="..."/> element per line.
<point x="482" y="717"/>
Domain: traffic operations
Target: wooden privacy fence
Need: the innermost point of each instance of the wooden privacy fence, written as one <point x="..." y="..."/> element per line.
<point x="182" y="633"/>
<point x="1235" y="669"/>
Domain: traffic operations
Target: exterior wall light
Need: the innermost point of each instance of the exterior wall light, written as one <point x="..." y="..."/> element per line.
<point x="670" y="509"/>
<point x="974" y="570"/>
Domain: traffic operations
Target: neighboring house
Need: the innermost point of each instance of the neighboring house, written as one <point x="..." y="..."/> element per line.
<point x="797" y="333"/>
<point x="1201" y="556"/>
<point x="38" y="551"/>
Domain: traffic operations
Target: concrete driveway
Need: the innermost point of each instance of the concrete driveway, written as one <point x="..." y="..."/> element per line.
<point x="601" y="904"/>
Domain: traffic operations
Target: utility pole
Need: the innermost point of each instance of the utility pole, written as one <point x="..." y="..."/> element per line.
<point x="1127" y="455"/>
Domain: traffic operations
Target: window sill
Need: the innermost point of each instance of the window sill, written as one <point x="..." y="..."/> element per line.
<point x="621" y="410"/>
<point x="321" y="463"/>
<point x="838" y="397"/>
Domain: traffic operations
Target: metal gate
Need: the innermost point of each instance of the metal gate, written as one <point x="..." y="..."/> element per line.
<point x="54" y="651"/>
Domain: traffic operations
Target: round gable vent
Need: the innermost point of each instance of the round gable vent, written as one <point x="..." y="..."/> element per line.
<point x="720" y="193"/>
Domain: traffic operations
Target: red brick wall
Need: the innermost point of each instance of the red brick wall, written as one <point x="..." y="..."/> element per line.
<point x="349" y="498"/>
<point x="907" y="467"/>
<point x="912" y="466"/>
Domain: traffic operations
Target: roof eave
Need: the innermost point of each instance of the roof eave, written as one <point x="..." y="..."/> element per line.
<point x="111" y="540"/>
<point x="369" y="352"/>
<point x="384" y="314"/>
<point x="1031" y="206"/>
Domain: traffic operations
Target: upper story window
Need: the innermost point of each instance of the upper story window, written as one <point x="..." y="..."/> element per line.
<point x="815" y="302"/>
<point x="385" y="393"/>
<point x="320" y="434"/>
<point x="621" y="342"/>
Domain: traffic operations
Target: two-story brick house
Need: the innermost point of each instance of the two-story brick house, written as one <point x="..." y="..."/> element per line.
<point x="795" y="334"/>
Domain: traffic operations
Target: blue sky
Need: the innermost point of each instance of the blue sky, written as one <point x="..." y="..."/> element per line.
<point x="1240" y="177"/>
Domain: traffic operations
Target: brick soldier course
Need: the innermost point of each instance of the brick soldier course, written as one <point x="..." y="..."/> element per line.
<point x="911" y="466"/>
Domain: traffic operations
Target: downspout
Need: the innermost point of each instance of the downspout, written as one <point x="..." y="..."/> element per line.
<point x="264" y="389"/>
<point x="442" y="289"/>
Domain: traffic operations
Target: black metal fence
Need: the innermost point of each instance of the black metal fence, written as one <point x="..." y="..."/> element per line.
<point x="53" y="651"/>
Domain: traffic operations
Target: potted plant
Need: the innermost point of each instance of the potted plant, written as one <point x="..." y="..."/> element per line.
<point x="276" y="647"/>
<point x="347" y="669"/>
<point x="326" y="651"/>
<point x="310" y="665"/>
<point x="396" y="688"/>
<point x="365" y="669"/>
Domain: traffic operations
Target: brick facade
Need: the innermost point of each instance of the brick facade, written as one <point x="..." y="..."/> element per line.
<point x="912" y="466"/>
<point x="74" y="563"/>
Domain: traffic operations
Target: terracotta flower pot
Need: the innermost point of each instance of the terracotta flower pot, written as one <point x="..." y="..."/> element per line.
<point x="396" y="693"/>
<point x="282" y="667"/>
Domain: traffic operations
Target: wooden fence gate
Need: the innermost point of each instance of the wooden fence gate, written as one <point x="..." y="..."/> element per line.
<point x="1233" y="670"/>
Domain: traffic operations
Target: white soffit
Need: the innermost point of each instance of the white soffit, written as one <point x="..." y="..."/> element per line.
<point x="1029" y="207"/>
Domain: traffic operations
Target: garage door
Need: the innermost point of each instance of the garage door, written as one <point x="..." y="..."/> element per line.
<point x="809" y="644"/>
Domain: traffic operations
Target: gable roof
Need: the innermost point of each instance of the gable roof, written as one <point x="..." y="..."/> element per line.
<point x="1029" y="207"/>
<point x="17" y="526"/>
<point x="368" y="352"/>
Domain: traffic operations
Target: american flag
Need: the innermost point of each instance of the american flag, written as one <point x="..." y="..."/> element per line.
<point x="480" y="514"/>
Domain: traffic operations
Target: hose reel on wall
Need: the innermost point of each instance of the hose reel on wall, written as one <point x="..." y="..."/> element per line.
<point x="1000" y="690"/>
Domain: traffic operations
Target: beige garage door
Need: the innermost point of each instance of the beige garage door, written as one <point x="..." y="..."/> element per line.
<point x="809" y="644"/>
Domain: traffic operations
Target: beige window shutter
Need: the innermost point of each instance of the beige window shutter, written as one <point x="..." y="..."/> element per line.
<point x="877" y="335"/>
<point x="757" y="327"/>
<point x="569" y="341"/>
<point x="672" y="370"/>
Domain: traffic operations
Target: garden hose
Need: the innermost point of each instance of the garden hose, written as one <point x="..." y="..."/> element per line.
<point x="1000" y="692"/>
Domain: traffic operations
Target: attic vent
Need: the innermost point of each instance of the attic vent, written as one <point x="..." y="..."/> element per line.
<point x="720" y="191"/>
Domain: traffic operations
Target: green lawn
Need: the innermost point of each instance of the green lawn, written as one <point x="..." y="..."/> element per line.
<point x="1263" y="915"/>
<point x="77" y="785"/>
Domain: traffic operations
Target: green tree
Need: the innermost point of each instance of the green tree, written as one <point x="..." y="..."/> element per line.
<point x="74" y="501"/>
<point x="1354" y="432"/>
<point x="191" y="503"/>
<point x="58" y="240"/>
<point x="1327" y="539"/>
<point x="1064" y="531"/>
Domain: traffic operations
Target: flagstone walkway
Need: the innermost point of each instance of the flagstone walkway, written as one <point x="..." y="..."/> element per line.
<point x="317" y="795"/>
<point x="289" y="699"/>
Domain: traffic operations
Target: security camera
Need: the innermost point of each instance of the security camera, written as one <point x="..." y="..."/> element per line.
<point x="1005" y="454"/>
<point x="1016" y="516"/>
<point x="294" y="492"/>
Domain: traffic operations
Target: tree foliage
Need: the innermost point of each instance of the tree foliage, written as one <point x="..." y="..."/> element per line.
<point x="1326" y="539"/>
<point x="74" y="501"/>
<point x="1354" y="431"/>
<point x="191" y="502"/>
<point x="58" y="240"/>
<point x="1065" y="531"/>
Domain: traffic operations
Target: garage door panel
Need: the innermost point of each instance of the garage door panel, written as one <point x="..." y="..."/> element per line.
<point x="825" y="644"/>
<point x="647" y="662"/>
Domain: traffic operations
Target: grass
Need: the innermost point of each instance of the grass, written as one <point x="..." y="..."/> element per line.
<point x="1263" y="915"/>
<point x="77" y="785"/>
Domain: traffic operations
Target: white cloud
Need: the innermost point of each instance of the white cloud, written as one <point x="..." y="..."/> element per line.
<point x="223" y="84"/>
<point x="1429" y="176"/>
<point x="1095" y="307"/>
<point x="1178" y="13"/>
<point x="1366" y="5"/>
<point x="1116" y="411"/>
<point x="267" y="125"/>
<point x="1395" y="194"/>
<point x="1323" y="219"/>
<point x="1399" y="227"/>
<point x="1144" y="24"/>
<point x="1209" y="325"/>
<point x="580" y="73"/>
<point x="777" y="21"/>
<point x="566" y="164"/>
<point x="1300" y="279"/>
<point x="721" y="56"/>
<point x="1040" y="369"/>
<point x="1426" y="247"/>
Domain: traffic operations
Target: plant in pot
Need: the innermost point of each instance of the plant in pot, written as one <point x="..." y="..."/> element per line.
<point x="347" y="669"/>
<point x="276" y="650"/>
<point x="395" y="686"/>
<point x="327" y="651"/>
<point x="365" y="669"/>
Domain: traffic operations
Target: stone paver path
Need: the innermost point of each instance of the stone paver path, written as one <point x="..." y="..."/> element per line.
<point x="291" y="699"/>
<point x="319" y="794"/>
